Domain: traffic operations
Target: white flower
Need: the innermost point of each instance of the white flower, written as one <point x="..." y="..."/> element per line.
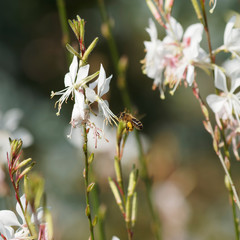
<point x="115" y="238"/>
<point x="102" y="84"/>
<point x="73" y="81"/>
<point x="175" y="56"/>
<point x="155" y="57"/>
<point x="227" y="103"/>
<point x="9" y="127"/>
<point x="232" y="37"/>
<point x="8" y="219"/>
<point x="185" y="50"/>
<point x="232" y="67"/>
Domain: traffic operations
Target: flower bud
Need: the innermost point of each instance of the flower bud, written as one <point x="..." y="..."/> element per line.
<point x="16" y="146"/>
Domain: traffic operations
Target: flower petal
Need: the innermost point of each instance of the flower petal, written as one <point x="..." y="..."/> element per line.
<point x="73" y="68"/>
<point x="228" y="29"/>
<point x="7" y="232"/>
<point x="79" y="106"/>
<point x="216" y="102"/>
<point x="235" y="84"/>
<point x="175" y="30"/>
<point x="220" y="80"/>
<point x="194" y="32"/>
<point x="68" y="81"/>
<point x="190" y="74"/>
<point x="82" y="73"/>
<point x="90" y="95"/>
<point x="115" y="238"/>
<point x="8" y="218"/>
<point x="18" y="208"/>
<point x="152" y="30"/>
<point x="103" y="83"/>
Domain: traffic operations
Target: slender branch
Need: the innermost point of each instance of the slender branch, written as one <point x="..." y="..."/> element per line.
<point x="207" y="30"/>
<point x="64" y="26"/>
<point x="100" y="212"/>
<point x="86" y="180"/>
<point x="121" y="73"/>
<point x="232" y="192"/>
<point x="218" y="152"/>
<point x="65" y="41"/>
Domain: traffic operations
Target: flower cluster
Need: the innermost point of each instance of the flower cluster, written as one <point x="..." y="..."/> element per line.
<point x="173" y="60"/>
<point x="77" y="84"/>
<point x="8" y="220"/>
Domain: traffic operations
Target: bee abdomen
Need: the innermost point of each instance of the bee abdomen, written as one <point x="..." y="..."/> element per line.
<point x="137" y="124"/>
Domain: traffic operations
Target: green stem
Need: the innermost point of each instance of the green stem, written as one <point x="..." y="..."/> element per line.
<point x="64" y="26"/>
<point x="22" y="209"/>
<point x="86" y="178"/>
<point x="65" y="40"/>
<point x="233" y="192"/>
<point x="121" y="73"/>
<point x="207" y="30"/>
<point x="235" y="218"/>
<point x="110" y="39"/>
<point x="119" y="176"/>
<point x="96" y="202"/>
<point x="148" y="185"/>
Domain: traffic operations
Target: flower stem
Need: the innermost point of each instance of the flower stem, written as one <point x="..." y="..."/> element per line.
<point x="86" y="180"/>
<point x="100" y="213"/>
<point x="119" y="176"/>
<point x="232" y="191"/>
<point x="121" y="73"/>
<point x="235" y="197"/>
<point x="65" y="41"/>
<point x="21" y="206"/>
<point x="64" y="26"/>
<point x="207" y="30"/>
<point x="235" y="218"/>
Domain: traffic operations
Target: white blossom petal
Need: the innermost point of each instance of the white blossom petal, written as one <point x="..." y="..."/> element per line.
<point x="232" y="68"/>
<point x="68" y="81"/>
<point x="103" y="82"/>
<point x="73" y="68"/>
<point x="90" y="95"/>
<point x="220" y="80"/>
<point x="18" y="208"/>
<point x="82" y="73"/>
<point x="79" y="106"/>
<point x="115" y="238"/>
<point x="235" y="84"/>
<point x="152" y="30"/>
<point x="194" y="32"/>
<point x="190" y="74"/>
<point x="7" y="231"/>
<point x="8" y="218"/>
<point x="175" y="30"/>
<point x="101" y="79"/>
<point x="216" y="102"/>
<point x="228" y="29"/>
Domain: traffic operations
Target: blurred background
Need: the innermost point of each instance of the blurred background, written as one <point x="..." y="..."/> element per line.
<point x="189" y="191"/>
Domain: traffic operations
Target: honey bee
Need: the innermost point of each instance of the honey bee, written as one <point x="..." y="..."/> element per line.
<point x="131" y="121"/>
